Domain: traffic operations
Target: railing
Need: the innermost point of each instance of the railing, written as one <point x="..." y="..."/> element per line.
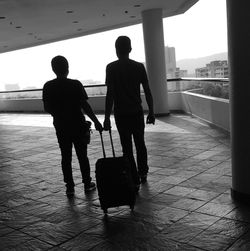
<point x="184" y="94"/>
<point x="213" y="87"/>
<point x="222" y="80"/>
<point x="37" y="93"/>
<point x="174" y="84"/>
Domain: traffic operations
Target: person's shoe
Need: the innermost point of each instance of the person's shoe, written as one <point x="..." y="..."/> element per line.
<point x="70" y="191"/>
<point x="143" y="178"/>
<point x="89" y="187"/>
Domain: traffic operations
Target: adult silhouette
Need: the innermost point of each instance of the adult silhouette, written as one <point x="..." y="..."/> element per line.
<point x="124" y="78"/>
<point x="66" y="100"/>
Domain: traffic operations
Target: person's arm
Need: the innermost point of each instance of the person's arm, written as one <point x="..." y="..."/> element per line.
<point x="149" y="99"/>
<point x="108" y="108"/>
<point x="46" y="104"/>
<point x="109" y="101"/>
<point x="88" y="110"/>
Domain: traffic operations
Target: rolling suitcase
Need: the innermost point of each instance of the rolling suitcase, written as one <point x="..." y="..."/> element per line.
<point x="114" y="181"/>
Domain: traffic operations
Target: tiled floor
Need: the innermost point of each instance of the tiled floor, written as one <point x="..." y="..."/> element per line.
<point x="185" y="205"/>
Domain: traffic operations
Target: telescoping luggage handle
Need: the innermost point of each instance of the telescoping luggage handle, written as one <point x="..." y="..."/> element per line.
<point x="112" y="145"/>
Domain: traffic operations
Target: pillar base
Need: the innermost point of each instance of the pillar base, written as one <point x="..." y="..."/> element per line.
<point x="240" y="197"/>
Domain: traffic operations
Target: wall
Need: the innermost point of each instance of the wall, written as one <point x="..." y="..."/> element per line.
<point x="96" y="102"/>
<point x="210" y="109"/>
<point x="21" y="105"/>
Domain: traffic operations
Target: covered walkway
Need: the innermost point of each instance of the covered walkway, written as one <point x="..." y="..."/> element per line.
<point x="185" y="205"/>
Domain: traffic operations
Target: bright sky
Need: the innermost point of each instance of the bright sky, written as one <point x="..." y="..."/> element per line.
<point x="201" y="31"/>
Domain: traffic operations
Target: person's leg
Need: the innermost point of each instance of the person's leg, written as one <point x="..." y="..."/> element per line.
<point x="141" y="150"/>
<point x="65" y="145"/>
<point x="81" y="152"/>
<point x="80" y="144"/>
<point x="124" y="129"/>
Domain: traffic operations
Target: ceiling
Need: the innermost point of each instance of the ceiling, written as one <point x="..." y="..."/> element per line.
<point x="27" y="23"/>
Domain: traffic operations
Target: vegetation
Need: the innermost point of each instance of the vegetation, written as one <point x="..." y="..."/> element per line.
<point x="214" y="90"/>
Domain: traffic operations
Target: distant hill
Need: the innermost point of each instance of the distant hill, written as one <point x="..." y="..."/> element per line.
<point x="191" y="64"/>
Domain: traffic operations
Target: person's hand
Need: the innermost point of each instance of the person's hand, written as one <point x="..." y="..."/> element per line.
<point x="150" y="118"/>
<point x="107" y="125"/>
<point x="98" y="126"/>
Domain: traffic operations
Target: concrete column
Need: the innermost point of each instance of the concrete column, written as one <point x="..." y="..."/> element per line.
<point x="155" y="58"/>
<point x="239" y="55"/>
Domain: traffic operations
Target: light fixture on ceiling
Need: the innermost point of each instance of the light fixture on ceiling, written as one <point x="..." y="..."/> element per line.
<point x="2" y="17"/>
<point x="69" y="11"/>
<point x="137" y="5"/>
<point x="75" y="22"/>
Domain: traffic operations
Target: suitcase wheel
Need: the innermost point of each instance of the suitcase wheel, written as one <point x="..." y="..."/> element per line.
<point x="132" y="207"/>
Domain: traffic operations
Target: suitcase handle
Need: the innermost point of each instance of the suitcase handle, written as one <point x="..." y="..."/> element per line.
<point x="112" y="145"/>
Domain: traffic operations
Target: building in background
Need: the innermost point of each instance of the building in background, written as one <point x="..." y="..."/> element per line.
<point x="170" y="61"/>
<point x="171" y="69"/>
<point x="11" y="87"/>
<point x="215" y="69"/>
<point x="93" y="91"/>
<point x="30" y="88"/>
<point x="86" y="82"/>
<point x="180" y="73"/>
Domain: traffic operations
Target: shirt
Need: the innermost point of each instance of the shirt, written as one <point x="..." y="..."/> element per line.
<point x="62" y="98"/>
<point x="125" y="77"/>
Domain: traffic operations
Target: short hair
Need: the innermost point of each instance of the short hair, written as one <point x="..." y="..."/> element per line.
<point x="123" y="44"/>
<point x="60" y="65"/>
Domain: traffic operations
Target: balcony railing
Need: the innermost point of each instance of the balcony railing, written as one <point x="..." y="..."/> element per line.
<point x="37" y="93"/>
<point x="174" y="84"/>
<point x="206" y="98"/>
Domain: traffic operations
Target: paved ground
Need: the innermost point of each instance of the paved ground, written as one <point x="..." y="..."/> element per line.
<point x="185" y="205"/>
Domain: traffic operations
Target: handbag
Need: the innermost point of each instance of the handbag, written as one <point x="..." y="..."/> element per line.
<point x="87" y="130"/>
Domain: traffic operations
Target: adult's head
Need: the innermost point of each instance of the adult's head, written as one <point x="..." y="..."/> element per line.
<point x="123" y="46"/>
<point x="60" y="66"/>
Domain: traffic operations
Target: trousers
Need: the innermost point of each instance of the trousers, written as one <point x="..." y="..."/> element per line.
<point x="132" y="127"/>
<point x="69" y="136"/>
